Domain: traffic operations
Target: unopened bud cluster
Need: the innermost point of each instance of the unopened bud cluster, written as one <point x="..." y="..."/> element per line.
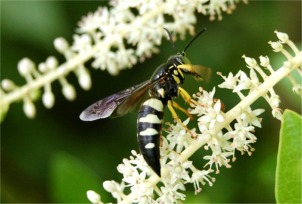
<point x="113" y="39"/>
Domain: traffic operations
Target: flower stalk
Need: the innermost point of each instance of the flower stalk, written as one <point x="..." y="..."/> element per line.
<point x="215" y="133"/>
<point x="114" y="38"/>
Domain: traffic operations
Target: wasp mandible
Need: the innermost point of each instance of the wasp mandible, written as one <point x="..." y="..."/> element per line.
<point x="163" y="86"/>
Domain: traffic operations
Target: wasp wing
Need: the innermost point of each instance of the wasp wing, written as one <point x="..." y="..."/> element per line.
<point x="138" y="96"/>
<point x="117" y="104"/>
<point x="198" y="71"/>
<point x="204" y="72"/>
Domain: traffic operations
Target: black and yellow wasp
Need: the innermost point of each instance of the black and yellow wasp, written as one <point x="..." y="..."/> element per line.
<point x="164" y="85"/>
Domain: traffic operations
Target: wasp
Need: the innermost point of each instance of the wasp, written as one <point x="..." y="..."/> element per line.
<point x="163" y="86"/>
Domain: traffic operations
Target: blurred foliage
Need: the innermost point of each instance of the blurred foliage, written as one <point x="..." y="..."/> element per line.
<point x="70" y="179"/>
<point x="39" y="156"/>
<point x="288" y="173"/>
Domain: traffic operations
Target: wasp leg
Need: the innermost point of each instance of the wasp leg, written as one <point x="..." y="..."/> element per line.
<point x="161" y="140"/>
<point x="186" y="96"/>
<point x="182" y="109"/>
<point x="176" y="118"/>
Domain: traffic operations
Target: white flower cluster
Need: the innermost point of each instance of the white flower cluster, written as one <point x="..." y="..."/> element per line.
<point x="131" y="30"/>
<point x="223" y="145"/>
<point x="241" y="81"/>
<point x="177" y="171"/>
<point x="115" y="38"/>
<point x="215" y="133"/>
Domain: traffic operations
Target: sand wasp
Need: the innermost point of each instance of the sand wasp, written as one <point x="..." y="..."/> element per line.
<point x="151" y="97"/>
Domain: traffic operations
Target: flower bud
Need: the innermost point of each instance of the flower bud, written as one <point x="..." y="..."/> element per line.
<point x="25" y="66"/>
<point x="51" y="62"/>
<point x="84" y="78"/>
<point x="8" y="84"/>
<point x="250" y="61"/>
<point x="109" y="186"/>
<point x="29" y="109"/>
<point x="283" y="37"/>
<point x="61" y="44"/>
<point x="43" y="67"/>
<point x="277" y="46"/>
<point x="48" y="99"/>
<point x="69" y="92"/>
<point x="93" y="197"/>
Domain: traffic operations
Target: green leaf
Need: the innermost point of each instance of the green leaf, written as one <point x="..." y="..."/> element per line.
<point x="70" y="179"/>
<point x="288" y="173"/>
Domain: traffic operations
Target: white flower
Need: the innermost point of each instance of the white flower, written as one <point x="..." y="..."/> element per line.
<point x="277" y="46"/>
<point x="200" y="176"/>
<point x="212" y="116"/>
<point x="205" y="100"/>
<point x="82" y="43"/>
<point x="229" y="82"/>
<point x="114" y="188"/>
<point x="142" y="192"/>
<point x="242" y="137"/>
<point x="92" y="21"/>
<point x="264" y="61"/>
<point x="145" y="49"/>
<point x="218" y="158"/>
<point x="177" y="169"/>
<point x="250" y="117"/>
<point x="178" y="136"/>
<point x="170" y="193"/>
<point x="244" y="82"/>
<point x="125" y="58"/>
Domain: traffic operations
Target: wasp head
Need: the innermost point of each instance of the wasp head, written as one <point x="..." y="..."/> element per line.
<point x="178" y="59"/>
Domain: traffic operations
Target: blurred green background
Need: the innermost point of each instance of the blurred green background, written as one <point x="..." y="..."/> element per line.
<point x="57" y="158"/>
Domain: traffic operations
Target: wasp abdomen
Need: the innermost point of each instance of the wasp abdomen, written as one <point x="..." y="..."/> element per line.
<point x="149" y="125"/>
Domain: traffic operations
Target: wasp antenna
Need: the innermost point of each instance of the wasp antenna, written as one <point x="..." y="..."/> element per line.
<point x="170" y="38"/>
<point x="195" y="37"/>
